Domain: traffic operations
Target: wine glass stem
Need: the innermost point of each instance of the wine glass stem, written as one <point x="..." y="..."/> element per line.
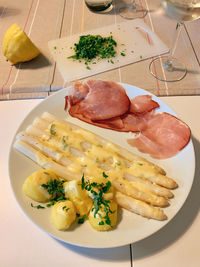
<point x="168" y="63"/>
<point x="132" y="5"/>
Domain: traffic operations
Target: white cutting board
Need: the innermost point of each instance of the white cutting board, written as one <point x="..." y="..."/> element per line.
<point x="134" y="38"/>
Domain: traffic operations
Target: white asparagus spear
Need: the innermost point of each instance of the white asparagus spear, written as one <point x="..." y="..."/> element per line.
<point x="40" y="123"/>
<point x="128" y="189"/>
<point x="44" y="161"/>
<point x="35" y="142"/>
<point x="156" y="189"/>
<point x="152" y="176"/>
<point x="139" y="207"/>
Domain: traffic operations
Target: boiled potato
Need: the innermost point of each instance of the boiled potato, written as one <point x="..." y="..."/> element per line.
<point x="32" y="185"/>
<point x="101" y="222"/>
<point x="63" y="214"/>
<point x="78" y="196"/>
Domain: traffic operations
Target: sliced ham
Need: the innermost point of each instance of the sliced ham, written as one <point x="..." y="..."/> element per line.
<point x="101" y="100"/>
<point x="136" y="123"/>
<point x="66" y="102"/>
<point x="164" y="136"/>
<point x="124" y="123"/>
<point x="115" y="123"/>
<point x="142" y="104"/>
<point x="106" y="104"/>
<point x="77" y="93"/>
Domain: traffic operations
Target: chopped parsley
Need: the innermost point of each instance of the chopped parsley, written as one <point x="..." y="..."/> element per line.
<point x="104" y="175"/>
<point x="92" y="47"/>
<point x="37" y="206"/>
<point x="52" y="129"/>
<point x="55" y="190"/>
<point x="65" y="208"/>
<point x="64" y="144"/>
<point x="82" y="219"/>
<point x="97" y="190"/>
<point x="83" y="182"/>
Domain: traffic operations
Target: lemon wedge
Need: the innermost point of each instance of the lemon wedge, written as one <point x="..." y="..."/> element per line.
<point x="17" y="47"/>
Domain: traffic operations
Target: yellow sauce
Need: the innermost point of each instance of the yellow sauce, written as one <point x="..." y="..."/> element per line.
<point x="63" y="139"/>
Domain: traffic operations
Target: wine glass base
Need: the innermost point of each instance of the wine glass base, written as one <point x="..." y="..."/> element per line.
<point x="128" y="12"/>
<point x="161" y="70"/>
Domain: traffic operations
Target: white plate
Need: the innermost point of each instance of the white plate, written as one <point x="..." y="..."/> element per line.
<point x="131" y="227"/>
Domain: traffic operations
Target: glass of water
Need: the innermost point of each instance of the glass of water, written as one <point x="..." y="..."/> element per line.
<point x="99" y="5"/>
<point x="181" y="10"/>
<point x="131" y="10"/>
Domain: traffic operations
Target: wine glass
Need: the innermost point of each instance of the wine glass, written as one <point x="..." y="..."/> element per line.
<point x="181" y="10"/>
<point x="132" y="10"/>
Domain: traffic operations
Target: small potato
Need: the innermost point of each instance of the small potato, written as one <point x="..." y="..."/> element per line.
<point x="101" y="222"/>
<point x="32" y="185"/>
<point x="63" y="214"/>
<point x="78" y="196"/>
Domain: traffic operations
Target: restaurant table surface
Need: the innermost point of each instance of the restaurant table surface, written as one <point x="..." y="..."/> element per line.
<point x="44" y="20"/>
<point x="23" y="244"/>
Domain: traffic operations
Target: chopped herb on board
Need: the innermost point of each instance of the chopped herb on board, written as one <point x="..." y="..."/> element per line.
<point x="92" y="47"/>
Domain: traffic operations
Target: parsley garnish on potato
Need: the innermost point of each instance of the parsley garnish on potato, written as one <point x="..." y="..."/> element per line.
<point x="97" y="190"/>
<point x="55" y="190"/>
<point x="81" y="220"/>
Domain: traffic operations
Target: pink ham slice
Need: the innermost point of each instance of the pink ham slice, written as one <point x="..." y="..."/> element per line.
<point x="125" y="123"/>
<point x="142" y="104"/>
<point x="106" y="104"/>
<point x="98" y="100"/>
<point x="164" y="136"/>
<point x="77" y="93"/>
<point x="115" y="123"/>
<point x="136" y="123"/>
